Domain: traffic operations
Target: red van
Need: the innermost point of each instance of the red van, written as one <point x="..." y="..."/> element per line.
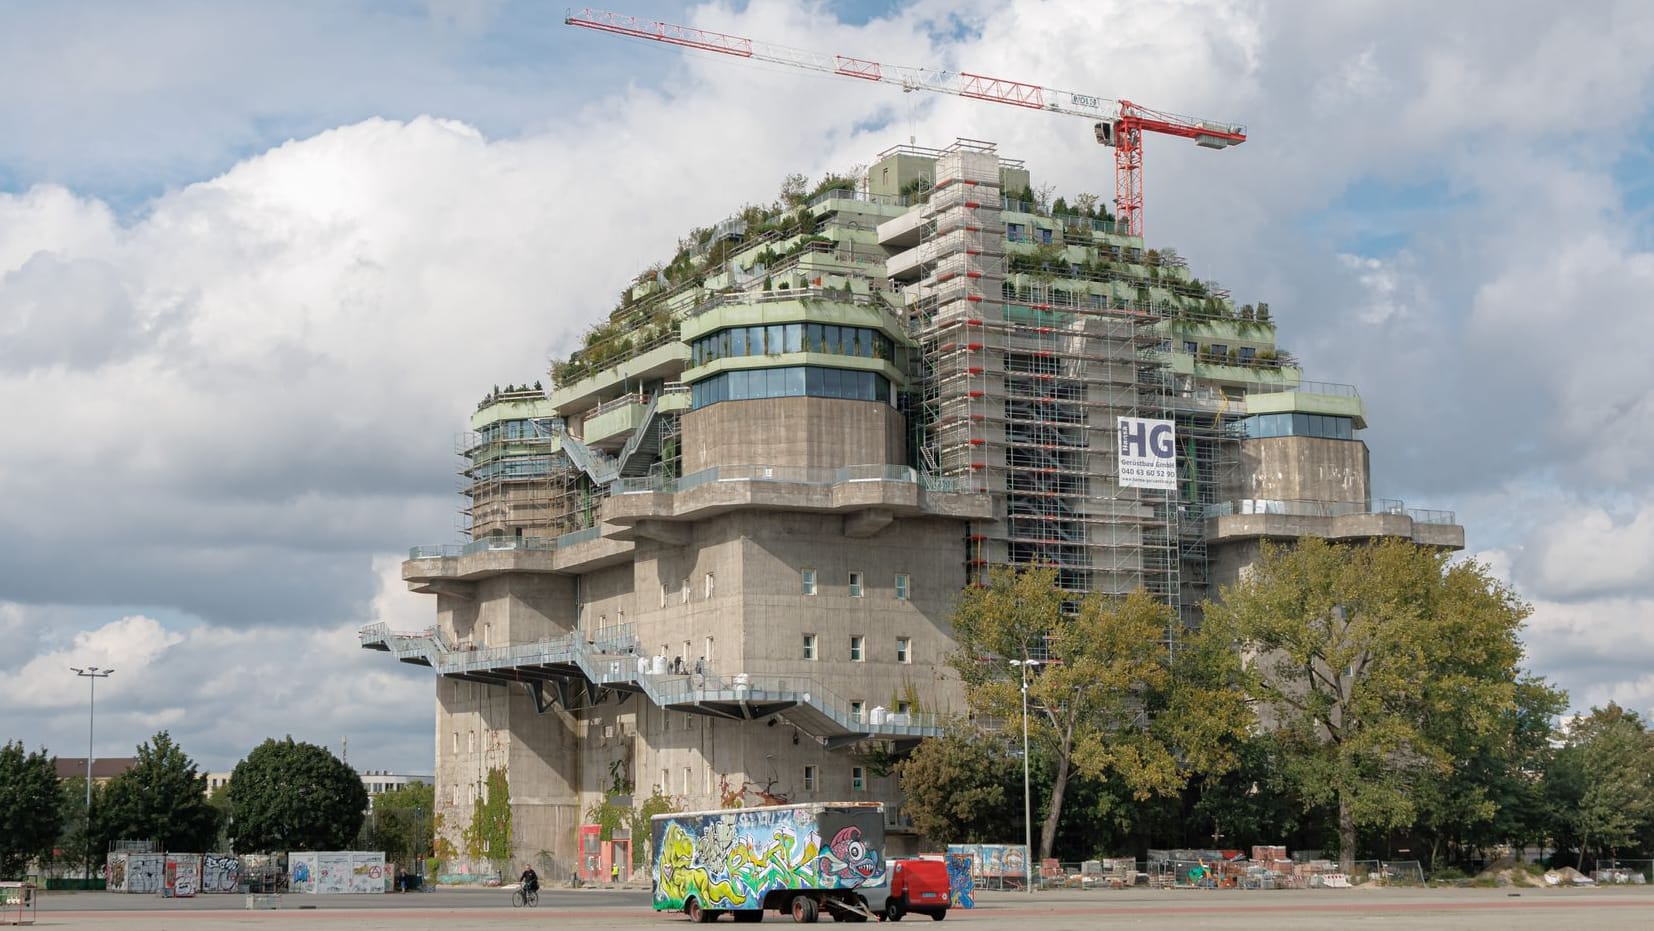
<point x="919" y="886"/>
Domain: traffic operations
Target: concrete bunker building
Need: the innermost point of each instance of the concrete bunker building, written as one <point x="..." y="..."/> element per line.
<point x="718" y="557"/>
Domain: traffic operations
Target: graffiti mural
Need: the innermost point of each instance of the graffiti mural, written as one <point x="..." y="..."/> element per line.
<point x="337" y="872"/>
<point x="142" y="873"/>
<point x="731" y="859"/>
<point x="961" y="884"/>
<point x="183" y="875"/>
<point x="220" y="872"/>
<point x="994" y="861"/>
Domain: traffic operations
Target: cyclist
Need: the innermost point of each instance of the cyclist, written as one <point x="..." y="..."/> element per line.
<point x="530" y="880"/>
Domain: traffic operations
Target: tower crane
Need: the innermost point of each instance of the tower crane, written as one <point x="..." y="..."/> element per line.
<point x="1119" y="124"/>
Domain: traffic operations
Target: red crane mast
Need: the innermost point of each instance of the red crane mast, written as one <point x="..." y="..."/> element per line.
<point x="1119" y="124"/>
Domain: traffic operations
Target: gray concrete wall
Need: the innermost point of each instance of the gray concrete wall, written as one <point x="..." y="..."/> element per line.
<point x="815" y="433"/>
<point x="1302" y="467"/>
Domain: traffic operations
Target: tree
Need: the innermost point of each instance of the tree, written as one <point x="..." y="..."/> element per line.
<point x="959" y="789"/>
<point x="30" y="802"/>
<point x="1602" y="786"/>
<point x="1492" y="793"/>
<point x="1103" y="701"/>
<point x="288" y="795"/>
<point x="1368" y="662"/>
<point x="162" y="798"/>
<point x="400" y="822"/>
<point x="489" y="835"/>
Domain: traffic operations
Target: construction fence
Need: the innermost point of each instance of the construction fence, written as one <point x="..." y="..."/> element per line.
<point x="1202" y="873"/>
<point x="1623" y="872"/>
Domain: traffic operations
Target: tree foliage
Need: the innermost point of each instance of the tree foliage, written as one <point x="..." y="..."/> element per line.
<point x="400" y="822"/>
<point x="1602" y="782"/>
<point x="488" y="837"/>
<point x="1377" y="667"/>
<point x="1104" y="699"/>
<point x="30" y="803"/>
<point x="961" y="789"/>
<point x="289" y="795"/>
<point x="162" y="798"/>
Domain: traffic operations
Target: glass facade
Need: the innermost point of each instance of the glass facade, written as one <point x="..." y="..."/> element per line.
<point x="777" y="338"/>
<point x="1321" y="425"/>
<point x="797" y="381"/>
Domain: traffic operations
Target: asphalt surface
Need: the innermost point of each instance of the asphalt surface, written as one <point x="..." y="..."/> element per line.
<point x="1231" y="910"/>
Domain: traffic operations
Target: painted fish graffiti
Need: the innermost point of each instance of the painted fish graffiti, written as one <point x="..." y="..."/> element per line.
<point x="848" y="859"/>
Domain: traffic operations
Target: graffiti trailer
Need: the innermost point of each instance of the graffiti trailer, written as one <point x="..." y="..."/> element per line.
<point x="798" y="860"/>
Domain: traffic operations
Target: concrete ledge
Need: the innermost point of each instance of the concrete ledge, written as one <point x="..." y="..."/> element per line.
<point x="1229" y="528"/>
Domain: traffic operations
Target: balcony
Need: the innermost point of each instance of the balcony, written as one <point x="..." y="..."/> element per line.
<point x="1339" y="521"/>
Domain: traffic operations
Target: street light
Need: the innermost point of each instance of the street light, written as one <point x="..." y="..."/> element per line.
<point x="91" y="674"/>
<point x="1027" y="793"/>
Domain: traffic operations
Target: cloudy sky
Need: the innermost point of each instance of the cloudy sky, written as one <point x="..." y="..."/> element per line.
<point x="259" y="260"/>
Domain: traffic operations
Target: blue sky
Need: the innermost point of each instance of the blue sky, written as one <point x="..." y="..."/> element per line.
<point x="257" y="261"/>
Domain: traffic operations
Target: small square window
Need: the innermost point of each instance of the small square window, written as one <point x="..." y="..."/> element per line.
<point x="857" y="711"/>
<point x="902" y="585"/>
<point x="904" y="650"/>
<point x="809" y="778"/>
<point x="903" y="707"/>
<point x="858" y="778"/>
<point x="855" y="585"/>
<point x="810" y="646"/>
<point x="857" y="644"/>
<point x="807" y="577"/>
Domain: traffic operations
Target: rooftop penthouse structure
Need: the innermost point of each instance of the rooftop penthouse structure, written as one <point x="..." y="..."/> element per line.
<point x="715" y="561"/>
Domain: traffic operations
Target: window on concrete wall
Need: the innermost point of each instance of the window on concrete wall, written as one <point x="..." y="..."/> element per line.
<point x="903" y="583"/>
<point x="710" y="585"/>
<point x="470" y="741"/>
<point x="663" y="593"/>
<point x="807" y="577"/>
<point x="904" y="650"/>
<point x="858" y="778"/>
<point x="858" y="645"/>
<point x="685" y="590"/>
<point x="810" y="646"/>
<point x="665" y="782"/>
<point x="903" y="707"/>
<point x="456" y="741"/>
<point x="809" y="778"/>
<point x="857" y="709"/>
<point x="711" y="655"/>
<point x="686" y="776"/>
<point x="855" y="585"/>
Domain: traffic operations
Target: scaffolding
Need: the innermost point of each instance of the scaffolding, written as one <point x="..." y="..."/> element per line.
<point x="1021" y="382"/>
<point x="508" y="478"/>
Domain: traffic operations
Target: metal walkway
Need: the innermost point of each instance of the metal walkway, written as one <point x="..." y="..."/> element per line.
<point x="576" y="673"/>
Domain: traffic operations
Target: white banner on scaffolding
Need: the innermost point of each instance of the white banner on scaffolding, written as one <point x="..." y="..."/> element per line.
<point x="1148" y="454"/>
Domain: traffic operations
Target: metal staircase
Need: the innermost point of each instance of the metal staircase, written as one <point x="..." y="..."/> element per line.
<point x="635" y="458"/>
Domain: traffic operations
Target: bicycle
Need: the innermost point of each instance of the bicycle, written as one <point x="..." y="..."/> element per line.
<point x="528" y="897"/>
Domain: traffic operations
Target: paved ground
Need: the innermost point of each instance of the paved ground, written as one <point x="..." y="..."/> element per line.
<point x="1286" y="910"/>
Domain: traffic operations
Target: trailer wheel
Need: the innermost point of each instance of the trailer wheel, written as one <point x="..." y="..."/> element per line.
<point x="804" y="910"/>
<point x="697" y="914"/>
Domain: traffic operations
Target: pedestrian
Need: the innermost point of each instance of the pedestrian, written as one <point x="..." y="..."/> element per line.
<point x="700" y="665"/>
<point x="614" y="873"/>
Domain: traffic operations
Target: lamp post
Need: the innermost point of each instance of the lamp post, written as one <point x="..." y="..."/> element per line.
<point x="1027" y="792"/>
<point x="91" y="674"/>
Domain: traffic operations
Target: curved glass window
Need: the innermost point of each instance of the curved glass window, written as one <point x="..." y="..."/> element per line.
<point x="797" y="381"/>
<point x="776" y="338"/>
<point x="1326" y="426"/>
